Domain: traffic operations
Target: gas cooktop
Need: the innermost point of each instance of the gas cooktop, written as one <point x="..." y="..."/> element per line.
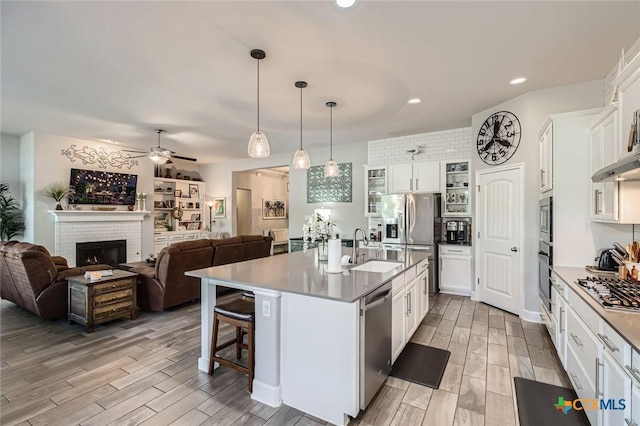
<point x="613" y="293"/>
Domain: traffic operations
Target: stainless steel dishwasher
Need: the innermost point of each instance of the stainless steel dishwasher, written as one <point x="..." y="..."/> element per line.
<point x="375" y="342"/>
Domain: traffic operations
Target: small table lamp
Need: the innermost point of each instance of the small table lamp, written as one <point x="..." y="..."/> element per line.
<point x="210" y="204"/>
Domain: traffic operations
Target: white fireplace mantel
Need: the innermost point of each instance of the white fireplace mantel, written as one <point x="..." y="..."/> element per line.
<point x="98" y="216"/>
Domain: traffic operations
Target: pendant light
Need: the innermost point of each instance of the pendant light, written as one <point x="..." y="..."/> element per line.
<point x="301" y="157"/>
<point x="258" y="143"/>
<point x="331" y="167"/>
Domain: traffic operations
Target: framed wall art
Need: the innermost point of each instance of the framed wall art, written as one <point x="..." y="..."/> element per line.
<point x="219" y="207"/>
<point x="274" y="209"/>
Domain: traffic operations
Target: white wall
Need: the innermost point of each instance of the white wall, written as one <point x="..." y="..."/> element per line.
<point x="532" y="109"/>
<point x="348" y="216"/>
<point x="10" y="164"/>
<point x="26" y="160"/>
<point x="264" y="185"/>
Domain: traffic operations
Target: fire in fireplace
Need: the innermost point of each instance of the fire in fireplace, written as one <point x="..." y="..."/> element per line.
<point x="101" y="252"/>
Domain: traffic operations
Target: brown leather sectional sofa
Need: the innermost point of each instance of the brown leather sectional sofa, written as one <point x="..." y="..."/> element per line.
<point x="165" y="285"/>
<point x="34" y="280"/>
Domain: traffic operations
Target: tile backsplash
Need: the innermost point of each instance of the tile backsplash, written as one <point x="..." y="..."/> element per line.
<point x="447" y="144"/>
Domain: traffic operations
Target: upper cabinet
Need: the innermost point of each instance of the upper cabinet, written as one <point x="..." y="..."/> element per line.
<point x="375" y="186"/>
<point x="546" y="158"/>
<point x="628" y="84"/>
<point x="455" y="188"/>
<point x="604" y="195"/>
<point x="414" y="177"/>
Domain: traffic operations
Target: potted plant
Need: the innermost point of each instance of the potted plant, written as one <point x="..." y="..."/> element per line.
<point x="11" y="223"/>
<point x="57" y="191"/>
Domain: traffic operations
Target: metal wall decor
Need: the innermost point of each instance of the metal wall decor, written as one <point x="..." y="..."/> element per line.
<point x="99" y="156"/>
<point x="336" y="189"/>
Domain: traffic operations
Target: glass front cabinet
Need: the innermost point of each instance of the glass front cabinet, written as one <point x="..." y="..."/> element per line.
<point x="375" y="186"/>
<point x="456" y="188"/>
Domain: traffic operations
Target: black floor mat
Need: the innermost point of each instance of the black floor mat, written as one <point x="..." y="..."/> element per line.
<point x="537" y="403"/>
<point x="421" y="364"/>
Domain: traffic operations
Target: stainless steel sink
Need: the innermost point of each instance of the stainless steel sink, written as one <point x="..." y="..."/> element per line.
<point x="379" y="266"/>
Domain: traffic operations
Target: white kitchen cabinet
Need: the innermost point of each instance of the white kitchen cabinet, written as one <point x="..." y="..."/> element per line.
<point x="616" y="385"/>
<point x="375" y="186"/>
<point x="546" y="158"/>
<point x="604" y="195"/>
<point x="455" y="269"/>
<point x="559" y="312"/>
<point x="422" y="288"/>
<point x="427" y="176"/>
<point x="412" y="300"/>
<point x="455" y="179"/>
<point x="628" y="83"/>
<point x="414" y="177"/>
<point x="398" y="324"/>
<point x="159" y="242"/>
<point x="634" y="419"/>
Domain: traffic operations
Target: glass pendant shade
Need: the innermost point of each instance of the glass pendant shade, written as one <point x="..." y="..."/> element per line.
<point x="159" y="155"/>
<point x="258" y="145"/>
<point x="331" y="169"/>
<point x="301" y="160"/>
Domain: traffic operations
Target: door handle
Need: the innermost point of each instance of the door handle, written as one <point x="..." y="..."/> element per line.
<point x="575" y="379"/>
<point x="611" y="346"/>
<point x="634" y="372"/>
<point x="416" y="184"/>
<point x="575" y="339"/>
<point x="561" y="329"/>
<point x="514" y="249"/>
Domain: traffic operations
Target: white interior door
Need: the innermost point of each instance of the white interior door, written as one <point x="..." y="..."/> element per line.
<point x="243" y="211"/>
<point x="499" y="255"/>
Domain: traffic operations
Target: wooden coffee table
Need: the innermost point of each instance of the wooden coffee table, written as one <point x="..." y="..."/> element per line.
<point x="109" y="298"/>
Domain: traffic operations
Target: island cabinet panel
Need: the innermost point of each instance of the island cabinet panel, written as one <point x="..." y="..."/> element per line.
<point x="398" y="324"/>
<point x="320" y="356"/>
<point x="412" y="307"/>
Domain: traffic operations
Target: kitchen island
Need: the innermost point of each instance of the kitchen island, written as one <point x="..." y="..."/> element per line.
<point x="307" y="325"/>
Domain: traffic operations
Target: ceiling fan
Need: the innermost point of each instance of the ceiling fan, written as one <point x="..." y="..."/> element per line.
<point x="160" y="155"/>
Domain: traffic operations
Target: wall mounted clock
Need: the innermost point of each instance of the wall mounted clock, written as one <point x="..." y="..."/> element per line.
<point x="498" y="138"/>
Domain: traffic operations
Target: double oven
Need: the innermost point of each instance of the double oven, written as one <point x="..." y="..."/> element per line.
<point x="545" y="253"/>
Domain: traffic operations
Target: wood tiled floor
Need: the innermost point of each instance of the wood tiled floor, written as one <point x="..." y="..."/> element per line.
<point x="144" y="371"/>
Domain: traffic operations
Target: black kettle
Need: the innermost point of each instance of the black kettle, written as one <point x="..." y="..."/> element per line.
<point x="606" y="261"/>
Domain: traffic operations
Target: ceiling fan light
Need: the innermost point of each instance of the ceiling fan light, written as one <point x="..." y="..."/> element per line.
<point x="258" y="145"/>
<point x="301" y="160"/>
<point x="158" y="158"/>
<point x="331" y="169"/>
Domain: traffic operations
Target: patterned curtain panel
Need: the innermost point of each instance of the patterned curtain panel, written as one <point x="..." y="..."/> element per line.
<point x="337" y="189"/>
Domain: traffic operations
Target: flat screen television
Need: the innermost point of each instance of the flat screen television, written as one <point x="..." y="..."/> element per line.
<point x="97" y="187"/>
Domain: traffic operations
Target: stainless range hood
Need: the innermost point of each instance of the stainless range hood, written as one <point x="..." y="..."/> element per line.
<point x="626" y="169"/>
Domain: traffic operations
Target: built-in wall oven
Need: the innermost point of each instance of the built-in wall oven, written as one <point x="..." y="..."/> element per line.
<point x="545" y="253"/>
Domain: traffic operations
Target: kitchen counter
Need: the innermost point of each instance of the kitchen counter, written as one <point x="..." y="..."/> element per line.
<point x="307" y="326"/>
<point x="625" y="323"/>
<point x="301" y="273"/>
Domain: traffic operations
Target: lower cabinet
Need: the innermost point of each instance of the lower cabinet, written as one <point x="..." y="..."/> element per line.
<point x="615" y="389"/>
<point x="635" y="406"/>
<point x="161" y="241"/>
<point x="398" y="324"/>
<point x="455" y="269"/>
<point x="409" y="305"/>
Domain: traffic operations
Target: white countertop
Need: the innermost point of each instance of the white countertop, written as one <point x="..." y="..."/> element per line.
<point x="625" y="323"/>
<point x="301" y="273"/>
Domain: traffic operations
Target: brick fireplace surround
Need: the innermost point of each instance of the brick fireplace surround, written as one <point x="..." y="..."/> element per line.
<point x="80" y="226"/>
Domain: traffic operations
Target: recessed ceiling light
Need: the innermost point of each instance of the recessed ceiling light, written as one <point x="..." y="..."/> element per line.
<point x="518" y="80"/>
<point x="415" y="101"/>
<point x="345" y="3"/>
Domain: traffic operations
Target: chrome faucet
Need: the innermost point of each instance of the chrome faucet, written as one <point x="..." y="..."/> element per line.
<point x="354" y="254"/>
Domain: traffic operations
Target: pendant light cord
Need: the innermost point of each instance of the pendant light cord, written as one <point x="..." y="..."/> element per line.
<point x="301" y="118"/>
<point x="331" y="133"/>
<point x="258" y="104"/>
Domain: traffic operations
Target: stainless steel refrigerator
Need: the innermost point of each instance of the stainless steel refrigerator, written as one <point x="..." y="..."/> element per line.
<point x="413" y="220"/>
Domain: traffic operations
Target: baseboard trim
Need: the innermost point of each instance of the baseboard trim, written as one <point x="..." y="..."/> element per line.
<point x="267" y="394"/>
<point x="531" y="316"/>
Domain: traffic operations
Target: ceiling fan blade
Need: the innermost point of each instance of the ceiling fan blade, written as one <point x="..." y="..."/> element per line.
<point x="130" y="150"/>
<point x="183" y="158"/>
<point x="138" y="156"/>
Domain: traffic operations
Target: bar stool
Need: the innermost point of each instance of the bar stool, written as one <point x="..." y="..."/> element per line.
<point x="241" y="314"/>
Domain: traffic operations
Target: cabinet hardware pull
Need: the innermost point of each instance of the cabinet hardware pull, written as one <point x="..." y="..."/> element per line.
<point x="425" y="285"/>
<point x="455" y="251"/>
<point x="611" y="346"/>
<point x="409" y="304"/>
<point x="411" y="184"/>
<point x="595" y="202"/>
<point x="630" y="422"/>
<point x="575" y="379"/>
<point x="541" y="178"/>
<point x="561" y="329"/>
<point x="417" y="184"/>
<point x="598" y="378"/>
<point x="634" y="372"/>
<point x="406" y="300"/>
<point x="575" y="339"/>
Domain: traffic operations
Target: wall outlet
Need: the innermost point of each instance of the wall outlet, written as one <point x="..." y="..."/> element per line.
<point x="266" y="308"/>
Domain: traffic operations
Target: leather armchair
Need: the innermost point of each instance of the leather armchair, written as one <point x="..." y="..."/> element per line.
<point x="34" y="280"/>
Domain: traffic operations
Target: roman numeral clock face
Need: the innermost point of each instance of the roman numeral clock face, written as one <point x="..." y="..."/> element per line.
<point x="498" y="138"/>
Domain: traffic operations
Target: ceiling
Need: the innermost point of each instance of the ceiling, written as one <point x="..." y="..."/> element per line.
<point x="117" y="70"/>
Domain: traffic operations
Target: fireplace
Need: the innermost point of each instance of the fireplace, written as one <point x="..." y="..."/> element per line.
<point x="101" y="252"/>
